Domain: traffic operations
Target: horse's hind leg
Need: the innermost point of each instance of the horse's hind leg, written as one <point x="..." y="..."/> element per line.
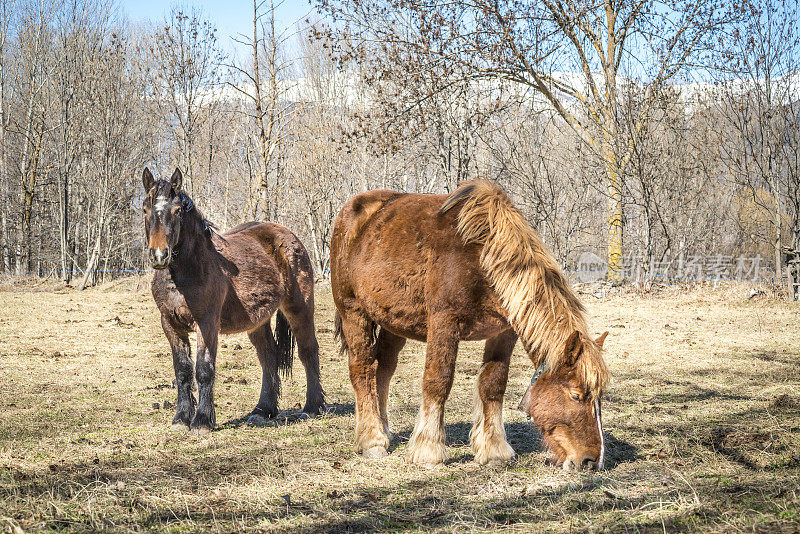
<point x="426" y="445"/>
<point x="488" y="437"/>
<point x="184" y="374"/>
<point x="301" y="321"/>
<point x="370" y="440"/>
<point x="267" y="350"/>
<point x="389" y="346"/>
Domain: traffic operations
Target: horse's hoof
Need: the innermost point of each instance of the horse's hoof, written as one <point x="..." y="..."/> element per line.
<point x="427" y="454"/>
<point x="200" y="431"/>
<point x="179" y="427"/>
<point x="257" y="420"/>
<point x="375" y="452"/>
<point x="495" y="455"/>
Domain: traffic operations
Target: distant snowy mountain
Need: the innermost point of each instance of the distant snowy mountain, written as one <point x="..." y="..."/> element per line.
<point x="347" y="90"/>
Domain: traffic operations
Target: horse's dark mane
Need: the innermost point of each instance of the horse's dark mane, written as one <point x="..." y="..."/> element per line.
<point x="207" y="227"/>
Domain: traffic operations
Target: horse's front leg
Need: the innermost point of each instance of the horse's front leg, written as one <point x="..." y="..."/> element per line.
<point x="426" y="445"/>
<point x="184" y="373"/>
<point x="205" y="368"/>
<point x="488" y="436"/>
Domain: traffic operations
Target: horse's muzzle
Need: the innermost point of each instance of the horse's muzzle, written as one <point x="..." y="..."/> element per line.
<point x="587" y="464"/>
<point x="160" y="257"/>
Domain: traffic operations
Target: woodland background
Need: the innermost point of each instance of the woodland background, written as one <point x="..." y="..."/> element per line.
<point x="627" y="128"/>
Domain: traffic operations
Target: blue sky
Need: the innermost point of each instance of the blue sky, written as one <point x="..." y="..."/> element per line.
<point x="231" y="17"/>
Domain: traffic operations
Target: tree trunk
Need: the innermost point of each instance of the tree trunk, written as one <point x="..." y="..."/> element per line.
<point x="5" y="249"/>
<point x="5" y="198"/>
<point x="778" y="231"/>
<point x="91" y="265"/>
<point x="611" y="157"/>
<point x="102" y="193"/>
<point x="315" y="247"/>
<point x="63" y="233"/>
<point x="614" y="184"/>
<point x="30" y="197"/>
<point x="265" y="133"/>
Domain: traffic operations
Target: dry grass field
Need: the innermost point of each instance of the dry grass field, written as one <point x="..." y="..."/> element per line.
<point x="702" y="422"/>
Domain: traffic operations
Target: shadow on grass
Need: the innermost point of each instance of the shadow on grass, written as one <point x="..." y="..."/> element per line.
<point x="589" y="503"/>
<point x="524" y="438"/>
<point x="290" y="417"/>
<point x="408" y="506"/>
<point x="774" y="357"/>
<point x="592" y="501"/>
<point x="784" y="369"/>
<point x="451" y="497"/>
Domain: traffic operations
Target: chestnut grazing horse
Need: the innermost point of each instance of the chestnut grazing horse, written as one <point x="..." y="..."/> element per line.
<point x="231" y="282"/>
<point x="467" y="266"/>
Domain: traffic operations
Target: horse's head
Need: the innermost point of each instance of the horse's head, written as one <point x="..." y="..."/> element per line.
<point x="565" y="403"/>
<point x="163" y="208"/>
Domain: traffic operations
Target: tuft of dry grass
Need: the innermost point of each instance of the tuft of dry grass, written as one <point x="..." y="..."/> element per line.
<point x="702" y="421"/>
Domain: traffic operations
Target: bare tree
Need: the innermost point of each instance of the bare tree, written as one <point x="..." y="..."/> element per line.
<point x="408" y="96"/>
<point x="545" y="170"/>
<point x="262" y="83"/>
<point x="316" y="162"/>
<point x="6" y="10"/>
<point x="80" y="28"/>
<point x="571" y="53"/>
<point x="756" y="99"/>
<point x="31" y="73"/>
<point x="187" y="58"/>
<point x="117" y="151"/>
<point x="676" y="205"/>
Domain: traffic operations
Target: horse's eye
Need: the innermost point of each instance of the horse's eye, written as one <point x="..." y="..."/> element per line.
<point x="575" y="396"/>
<point x="175" y="210"/>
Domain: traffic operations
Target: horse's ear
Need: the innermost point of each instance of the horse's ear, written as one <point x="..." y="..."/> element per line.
<point x="600" y="340"/>
<point x="177" y="180"/>
<point x="147" y="180"/>
<point x="572" y="348"/>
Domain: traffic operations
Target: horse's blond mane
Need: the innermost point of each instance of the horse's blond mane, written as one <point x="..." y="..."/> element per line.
<point x="541" y="306"/>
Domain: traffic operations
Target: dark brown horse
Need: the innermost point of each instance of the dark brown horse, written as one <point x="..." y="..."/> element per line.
<point x="231" y="282"/>
<point x="415" y="266"/>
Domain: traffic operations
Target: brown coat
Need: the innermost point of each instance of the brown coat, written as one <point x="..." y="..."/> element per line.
<point x="412" y="266"/>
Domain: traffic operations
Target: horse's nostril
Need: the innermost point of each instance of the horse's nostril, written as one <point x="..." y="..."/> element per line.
<point x="159" y="257"/>
<point x="589" y="463"/>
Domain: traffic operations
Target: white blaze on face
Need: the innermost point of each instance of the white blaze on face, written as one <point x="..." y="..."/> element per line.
<point x="601" y="461"/>
<point x="160" y="204"/>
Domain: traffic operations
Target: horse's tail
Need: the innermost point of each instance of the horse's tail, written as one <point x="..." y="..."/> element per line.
<point x="338" y="334"/>
<point x="285" y="340"/>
